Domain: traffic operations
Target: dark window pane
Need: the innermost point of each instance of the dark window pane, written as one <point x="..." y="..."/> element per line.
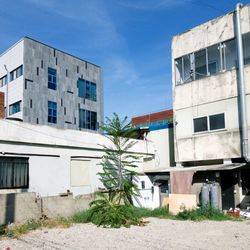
<point x="13" y="172"/>
<point x="230" y="54"/>
<point x="200" y="124"/>
<point x="15" y="108"/>
<point x="200" y="64"/>
<point x="52" y="78"/>
<point x="52" y="112"/>
<point x="217" y="121"/>
<point x="213" y="53"/>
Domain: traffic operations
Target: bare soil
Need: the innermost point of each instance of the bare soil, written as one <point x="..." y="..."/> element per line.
<point x="158" y="234"/>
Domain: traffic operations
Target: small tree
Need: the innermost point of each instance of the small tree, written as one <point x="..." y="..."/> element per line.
<point x="118" y="176"/>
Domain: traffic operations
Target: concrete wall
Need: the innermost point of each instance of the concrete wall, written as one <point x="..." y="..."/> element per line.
<point x="209" y="95"/>
<point x="38" y="91"/>
<point x="20" y="207"/>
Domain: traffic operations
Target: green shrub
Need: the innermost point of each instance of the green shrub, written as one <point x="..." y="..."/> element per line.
<point x="110" y="214"/>
<point x="203" y="213"/>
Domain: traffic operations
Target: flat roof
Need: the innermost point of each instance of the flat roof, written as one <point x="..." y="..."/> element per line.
<point x="34" y="40"/>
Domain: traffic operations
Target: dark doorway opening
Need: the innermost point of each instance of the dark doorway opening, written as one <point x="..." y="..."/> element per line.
<point x="228" y="180"/>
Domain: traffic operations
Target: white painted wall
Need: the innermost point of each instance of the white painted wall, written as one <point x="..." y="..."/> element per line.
<point x="49" y="173"/>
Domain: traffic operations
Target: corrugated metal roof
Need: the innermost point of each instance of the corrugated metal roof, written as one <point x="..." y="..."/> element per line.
<point x="217" y="167"/>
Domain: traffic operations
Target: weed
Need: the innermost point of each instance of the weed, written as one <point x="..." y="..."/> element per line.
<point x="203" y="213"/>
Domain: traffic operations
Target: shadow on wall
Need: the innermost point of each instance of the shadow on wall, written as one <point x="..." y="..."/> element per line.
<point x="10" y="205"/>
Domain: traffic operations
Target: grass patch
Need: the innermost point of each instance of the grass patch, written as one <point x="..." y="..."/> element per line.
<point x="157" y="212"/>
<point x="204" y="213"/>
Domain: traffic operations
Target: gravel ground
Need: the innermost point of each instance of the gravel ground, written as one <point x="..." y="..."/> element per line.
<point x="158" y="234"/>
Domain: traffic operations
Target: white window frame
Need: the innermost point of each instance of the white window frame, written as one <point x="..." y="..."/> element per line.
<point x="208" y="123"/>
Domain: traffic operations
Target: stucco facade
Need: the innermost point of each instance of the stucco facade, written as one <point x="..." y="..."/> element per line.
<point x="209" y="95"/>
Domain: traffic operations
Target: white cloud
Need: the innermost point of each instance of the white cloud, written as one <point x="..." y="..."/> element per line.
<point x="152" y="4"/>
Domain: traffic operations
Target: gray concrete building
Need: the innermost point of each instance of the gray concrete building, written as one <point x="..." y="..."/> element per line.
<point x="46" y="86"/>
<point x="211" y="102"/>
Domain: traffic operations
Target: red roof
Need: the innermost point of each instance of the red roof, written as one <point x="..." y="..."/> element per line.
<point x="158" y="116"/>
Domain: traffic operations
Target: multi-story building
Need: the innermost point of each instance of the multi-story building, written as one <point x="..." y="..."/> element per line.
<point x="44" y="85"/>
<point x="211" y="102"/>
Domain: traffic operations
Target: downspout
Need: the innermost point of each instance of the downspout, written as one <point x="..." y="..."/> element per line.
<point x="241" y="87"/>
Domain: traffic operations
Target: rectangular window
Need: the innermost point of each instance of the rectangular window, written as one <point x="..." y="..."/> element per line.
<point x="213" y="53"/>
<point x="77" y="69"/>
<point x="12" y="75"/>
<point x="19" y="71"/>
<point x="217" y="121"/>
<point x="230" y="52"/>
<point x="200" y="64"/>
<point x="86" y="89"/>
<point x="37" y="71"/>
<point x="87" y="119"/>
<point x="14" y="172"/>
<point x="142" y="184"/>
<point x="42" y="64"/>
<point x="52" y="78"/>
<point x="52" y="112"/>
<point x="31" y="103"/>
<point x="183" y="69"/>
<point x="66" y="73"/>
<point x="200" y="124"/>
<point x="209" y="123"/>
<point x="15" y="108"/>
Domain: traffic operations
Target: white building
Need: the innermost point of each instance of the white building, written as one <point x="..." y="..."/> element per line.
<point x="47" y="86"/>
<point x="211" y="105"/>
<point x="51" y="161"/>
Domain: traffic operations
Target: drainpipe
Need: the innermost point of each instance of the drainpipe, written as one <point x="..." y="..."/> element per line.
<point x="241" y="87"/>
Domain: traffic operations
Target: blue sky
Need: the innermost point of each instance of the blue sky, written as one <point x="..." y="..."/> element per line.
<point x="129" y="39"/>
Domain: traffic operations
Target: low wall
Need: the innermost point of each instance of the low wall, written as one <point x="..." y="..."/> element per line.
<point x="20" y="207"/>
<point x="178" y="202"/>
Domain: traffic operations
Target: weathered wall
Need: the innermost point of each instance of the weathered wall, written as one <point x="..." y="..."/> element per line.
<point x="207" y="96"/>
<point x="20" y="207"/>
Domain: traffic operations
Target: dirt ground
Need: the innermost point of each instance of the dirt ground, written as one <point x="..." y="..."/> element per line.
<point x="158" y="234"/>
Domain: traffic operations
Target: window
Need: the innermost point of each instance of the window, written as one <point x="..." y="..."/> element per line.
<point x="200" y="124"/>
<point x="142" y="184"/>
<point x="200" y="58"/>
<point x="217" y="121"/>
<point x="37" y="71"/>
<point x="246" y="48"/>
<point x="19" y="71"/>
<point x="230" y="54"/>
<point x="52" y="112"/>
<point x="213" y="54"/>
<point x="211" y="60"/>
<point x="15" y="108"/>
<point x="209" y="123"/>
<point x="3" y="80"/>
<point x="86" y="89"/>
<point x="87" y="119"/>
<point x="14" y="172"/>
<point x="12" y="75"/>
<point x="183" y="69"/>
<point x="52" y="78"/>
